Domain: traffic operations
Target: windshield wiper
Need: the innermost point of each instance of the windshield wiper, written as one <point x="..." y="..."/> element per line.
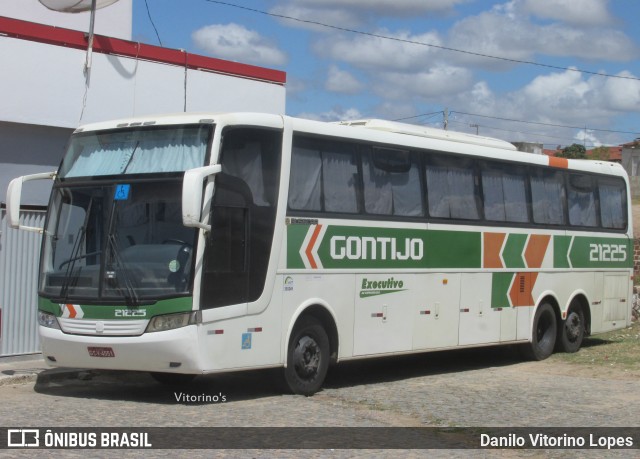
<point x="129" y="290"/>
<point x="69" y="278"/>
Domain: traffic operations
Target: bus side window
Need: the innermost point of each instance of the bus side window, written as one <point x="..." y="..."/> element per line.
<point x="305" y="188"/>
<point x="581" y="200"/>
<point x="451" y="188"/>
<point x="324" y="176"/>
<point x="391" y="183"/>
<point x="504" y="188"/>
<point x="548" y="197"/>
<point x="613" y="203"/>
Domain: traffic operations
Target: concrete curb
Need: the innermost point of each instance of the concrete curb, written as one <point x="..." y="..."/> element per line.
<point x="29" y="369"/>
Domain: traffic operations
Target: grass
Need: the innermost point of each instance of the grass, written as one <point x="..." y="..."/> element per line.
<point x="619" y="349"/>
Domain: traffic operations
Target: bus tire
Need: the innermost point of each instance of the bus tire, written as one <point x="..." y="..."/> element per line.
<point x="307" y="357"/>
<point x="572" y="330"/>
<point x="543" y="338"/>
<point x="172" y="379"/>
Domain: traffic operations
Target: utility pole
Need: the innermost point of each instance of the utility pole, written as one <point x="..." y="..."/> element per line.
<point x="446" y="119"/>
<point x="475" y="126"/>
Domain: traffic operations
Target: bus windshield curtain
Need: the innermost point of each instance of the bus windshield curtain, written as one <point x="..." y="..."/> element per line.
<point x="143" y="152"/>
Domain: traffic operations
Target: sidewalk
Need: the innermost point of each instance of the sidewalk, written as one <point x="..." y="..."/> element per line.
<point x="25" y="369"/>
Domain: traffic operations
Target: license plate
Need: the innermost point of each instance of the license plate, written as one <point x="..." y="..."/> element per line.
<point x="101" y="352"/>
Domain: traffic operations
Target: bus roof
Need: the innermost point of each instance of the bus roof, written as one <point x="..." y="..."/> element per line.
<point x="373" y="129"/>
<point x="428" y="132"/>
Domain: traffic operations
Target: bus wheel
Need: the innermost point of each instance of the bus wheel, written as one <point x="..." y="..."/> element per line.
<point x="571" y="331"/>
<point x="544" y="334"/>
<point x="307" y="357"/>
<point x="172" y="379"/>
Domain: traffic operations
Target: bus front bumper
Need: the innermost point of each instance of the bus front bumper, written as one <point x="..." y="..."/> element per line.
<point x="173" y="351"/>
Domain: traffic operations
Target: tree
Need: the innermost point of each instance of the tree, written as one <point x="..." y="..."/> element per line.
<point x="602" y="153"/>
<point x="575" y="151"/>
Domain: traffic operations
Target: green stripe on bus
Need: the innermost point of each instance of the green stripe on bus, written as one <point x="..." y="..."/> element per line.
<point x="500" y="283"/>
<point x="592" y="252"/>
<point x="601" y="252"/>
<point x="353" y="247"/>
<point x="295" y="238"/>
<point x="513" y="248"/>
<point x="168" y="306"/>
<point x="560" y="249"/>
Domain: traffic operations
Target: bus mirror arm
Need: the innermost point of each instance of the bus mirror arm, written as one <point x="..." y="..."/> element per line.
<point x="192" y="195"/>
<point x="14" y="196"/>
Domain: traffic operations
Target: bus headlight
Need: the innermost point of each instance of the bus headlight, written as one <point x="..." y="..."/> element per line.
<point x="171" y="321"/>
<point x="48" y="320"/>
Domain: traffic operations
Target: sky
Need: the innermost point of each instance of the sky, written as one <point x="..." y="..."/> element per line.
<point x="554" y="72"/>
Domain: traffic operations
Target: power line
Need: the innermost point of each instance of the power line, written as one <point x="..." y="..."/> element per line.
<point x="547" y="124"/>
<point x="537" y="134"/>
<point x="152" y="23"/>
<point x="420" y="43"/>
<point x="428" y="115"/>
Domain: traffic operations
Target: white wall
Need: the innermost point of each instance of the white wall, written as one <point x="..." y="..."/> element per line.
<point x="113" y="21"/>
<point x="48" y="87"/>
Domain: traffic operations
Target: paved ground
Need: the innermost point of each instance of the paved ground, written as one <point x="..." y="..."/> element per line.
<point x="488" y="387"/>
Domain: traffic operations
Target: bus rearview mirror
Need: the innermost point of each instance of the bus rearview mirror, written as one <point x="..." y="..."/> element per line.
<point x="192" y="192"/>
<point x="14" y="196"/>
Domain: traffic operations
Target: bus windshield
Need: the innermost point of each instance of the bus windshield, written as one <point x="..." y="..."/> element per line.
<point x="122" y="243"/>
<point x="120" y="239"/>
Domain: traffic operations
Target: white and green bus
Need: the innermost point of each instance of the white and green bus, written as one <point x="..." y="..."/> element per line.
<point x="193" y="244"/>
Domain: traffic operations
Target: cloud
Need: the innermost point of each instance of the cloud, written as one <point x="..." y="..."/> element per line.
<point x="437" y="82"/>
<point x="564" y="98"/>
<point x="587" y="137"/>
<point x="500" y="33"/>
<point x="622" y="94"/>
<point x="397" y="8"/>
<point x="335" y="114"/>
<point x="411" y="70"/>
<point x="235" y="42"/>
<point x="378" y="54"/>
<point x="351" y="13"/>
<point x="342" y="82"/>
<point x="577" y="12"/>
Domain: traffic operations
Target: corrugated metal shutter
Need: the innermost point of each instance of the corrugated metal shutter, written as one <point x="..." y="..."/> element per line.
<point x="19" y="258"/>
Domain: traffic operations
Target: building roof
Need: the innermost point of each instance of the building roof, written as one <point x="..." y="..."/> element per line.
<point x="42" y="33"/>
<point x="615" y="153"/>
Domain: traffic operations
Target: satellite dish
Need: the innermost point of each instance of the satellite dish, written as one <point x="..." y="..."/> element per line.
<point x="79" y="6"/>
<point x="75" y="6"/>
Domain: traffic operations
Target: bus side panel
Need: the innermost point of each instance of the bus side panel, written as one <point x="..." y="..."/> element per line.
<point x="335" y="292"/>
<point x="615" y="301"/>
<point x="436" y="319"/>
<point x="248" y="341"/>
<point x="479" y="322"/>
<point x="385" y="309"/>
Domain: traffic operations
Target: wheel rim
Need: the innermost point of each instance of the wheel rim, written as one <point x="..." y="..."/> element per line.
<point x="573" y="327"/>
<point x="306" y="358"/>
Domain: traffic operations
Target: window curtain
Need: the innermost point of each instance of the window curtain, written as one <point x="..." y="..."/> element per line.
<point x="547" y="194"/>
<point x="305" y="189"/>
<point x="134" y="152"/>
<point x="612" y="208"/>
<point x="451" y="192"/>
<point x="391" y="193"/>
<point x="504" y="196"/>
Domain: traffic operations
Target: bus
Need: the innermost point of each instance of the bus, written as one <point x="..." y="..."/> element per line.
<point x="206" y="243"/>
